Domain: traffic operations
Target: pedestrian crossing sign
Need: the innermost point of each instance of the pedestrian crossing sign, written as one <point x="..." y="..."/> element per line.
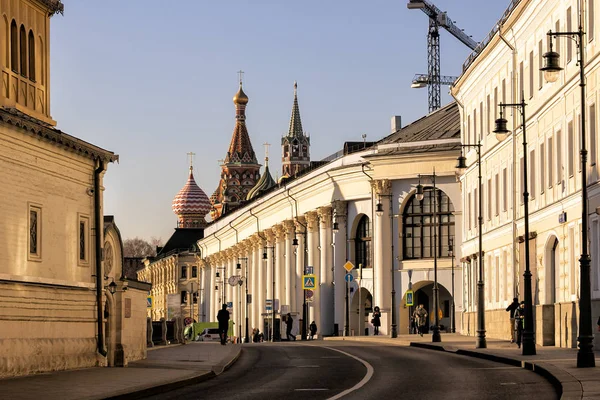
<point x="309" y="281"/>
<point x="149" y="301"/>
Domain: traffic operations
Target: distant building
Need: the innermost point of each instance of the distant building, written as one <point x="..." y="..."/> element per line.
<point x="295" y="146"/>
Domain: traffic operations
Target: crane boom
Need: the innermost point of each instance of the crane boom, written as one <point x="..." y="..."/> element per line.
<point x="442" y="19"/>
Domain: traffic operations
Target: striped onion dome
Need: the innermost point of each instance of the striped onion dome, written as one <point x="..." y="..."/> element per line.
<point x="191" y="199"/>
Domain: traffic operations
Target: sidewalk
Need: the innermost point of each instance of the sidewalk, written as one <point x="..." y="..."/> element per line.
<point x="558" y="365"/>
<point x="179" y="365"/>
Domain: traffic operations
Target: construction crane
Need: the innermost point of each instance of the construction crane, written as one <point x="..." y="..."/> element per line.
<point x="433" y="79"/>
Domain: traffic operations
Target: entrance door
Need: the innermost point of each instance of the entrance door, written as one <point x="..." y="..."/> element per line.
<point x="423" y="298"/>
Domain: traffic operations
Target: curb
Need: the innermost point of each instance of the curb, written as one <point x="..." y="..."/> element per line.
<point x="154" y="390"/>
<point x="567" y="386"/>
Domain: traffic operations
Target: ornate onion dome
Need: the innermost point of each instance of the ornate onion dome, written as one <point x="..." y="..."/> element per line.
<point x="191" y="204"/>
<point x="295" y="122"/>
<point x="240" y="147"/>
<point x="240" y="97"/>
<point x="265" y="183"/>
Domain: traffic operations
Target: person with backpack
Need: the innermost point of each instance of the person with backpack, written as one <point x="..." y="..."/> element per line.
<point x="223" y="318"/>
<point x="512" y="308"/>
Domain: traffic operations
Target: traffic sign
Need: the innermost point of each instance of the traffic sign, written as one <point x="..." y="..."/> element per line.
<point x="348" y="266"/>
<point x="349" y="278"/>
<point x="409" y="298"/>
<point x="309" y="281"/>
<point x="149" y="301"/>
<point x="268" y="304"/>
<point x="309" y="270"/>
<point x="309" y="294"/>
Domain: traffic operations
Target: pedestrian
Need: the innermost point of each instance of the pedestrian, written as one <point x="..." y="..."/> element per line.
<point x="223" y="318"/>
<point x="289" y="322"/>
<point x="511" y="309"/>
<point x="598" y="324"/>
<point x="376" y="320"/>
<point x="313" y="330"/>
<point x="519" y="321"/>
<point x="420" y="316"/>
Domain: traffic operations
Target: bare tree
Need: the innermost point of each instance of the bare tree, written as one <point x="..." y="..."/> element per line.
<point x="137" y="247"/>
<point x="156" y="242"/>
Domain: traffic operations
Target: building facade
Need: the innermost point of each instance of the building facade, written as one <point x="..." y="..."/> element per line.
<point x="507" y="70"/>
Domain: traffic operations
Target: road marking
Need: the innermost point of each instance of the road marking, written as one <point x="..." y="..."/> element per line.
<point x="360" y="384"/>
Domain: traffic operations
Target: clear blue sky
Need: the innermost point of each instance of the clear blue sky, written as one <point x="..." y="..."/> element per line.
<point x="152" y="80"/>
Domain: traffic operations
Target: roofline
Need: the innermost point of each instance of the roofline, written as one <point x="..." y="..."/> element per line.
<point x="53" y="6"/>
<point x="54" y="136"/>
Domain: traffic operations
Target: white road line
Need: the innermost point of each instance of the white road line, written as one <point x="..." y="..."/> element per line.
<point x="360" y="384"/>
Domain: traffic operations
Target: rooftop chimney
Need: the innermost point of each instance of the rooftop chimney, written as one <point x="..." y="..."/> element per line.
<point x="396" y="123"/>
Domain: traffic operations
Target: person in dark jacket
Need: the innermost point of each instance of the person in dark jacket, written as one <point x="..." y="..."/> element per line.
<point x="376" y="320"/>
<point x="313" y="329"/>
<point x="223" y="318"/>
<point x="289" y="323"/>
<point x="519" y="319"/>
<point x="512" y="308"/>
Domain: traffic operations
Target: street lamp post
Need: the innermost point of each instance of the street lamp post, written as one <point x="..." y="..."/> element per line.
<point x="435" y="337"/>
<point x="501" y="133"/>
<point x="452" y="314"/>
<point x="379" y="212"/>
<point x="272" y="248"/>
<point x="481" y="342"/>
<point x="585" y="354"/>
<point x="239" y="266"/>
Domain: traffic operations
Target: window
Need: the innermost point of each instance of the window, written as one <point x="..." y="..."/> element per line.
<point x="480" y="120"/>
<point x="521" y="78"/>
<point x="558" y="149"/>
<point x="531" y="74"/>
<point x="489" y="118"/>
<point x="540" y="64"/>
<point x="183" y="297"/>
<point x="522" y="171"/>
<point x="363" y="242"/>
<point x="569" y="42"/>
<point x="419" y="226"/>
<point x="194" y="271"/>
<point x="590" y="13"/>
<point x="503" y="91"/>
<point x="184" y="273"/>
<point x="489" y="199"/>
<point x="14" y="47"/>
<point x="474" y="126"/>
<point x="542" y="167"/>
<point x="476" y="206"/>
<point x="31" y="46"/>
<point x="195" y="297"/>
<point x="495" y="103"/>
<point x="35" y="230"/>
<point x="557" y="42"/>
<point x="504" y="189"/>
<point x="470" y="210"/>
<point x="83" y="248"/>
<point x="532" y="175"/>
<point x="570" y="149"/>
<point x="469" y="129"/>
<point x="23" y="51"/>
<point x="497" y="195"/>
<point x="592" y="134"/>
<point x="550" y="150"/>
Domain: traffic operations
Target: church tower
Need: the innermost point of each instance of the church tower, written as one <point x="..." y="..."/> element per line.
<point x="295" y="145"/>
<point x="240" y="170"/>
<point x="191" y="203"/>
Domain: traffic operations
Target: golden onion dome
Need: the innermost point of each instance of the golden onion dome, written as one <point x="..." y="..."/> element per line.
<point x="240" y="97"/>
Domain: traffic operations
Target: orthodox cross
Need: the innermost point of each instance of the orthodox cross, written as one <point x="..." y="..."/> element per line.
<point x="266" y="150"/>
<point x="191" y="156"/>
<point x="240" y="73"/>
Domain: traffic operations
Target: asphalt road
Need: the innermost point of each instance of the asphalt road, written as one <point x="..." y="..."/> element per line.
<point x="317" y="371"/>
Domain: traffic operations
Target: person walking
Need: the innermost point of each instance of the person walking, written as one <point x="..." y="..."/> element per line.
<point x="511" y="309"/>
<point x="420" y="316"/>
<point x="376" y="320"/>
<point x="519" y="320"/>
<point x="223" y="318"/>
<point x="313" y="330"/>
<point x="289" y="322"/>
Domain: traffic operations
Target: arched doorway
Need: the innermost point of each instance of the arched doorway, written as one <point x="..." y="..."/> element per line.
<point x="423" y="294"/>
<point x="360" y="311"/>
<point x="551" y="267"/>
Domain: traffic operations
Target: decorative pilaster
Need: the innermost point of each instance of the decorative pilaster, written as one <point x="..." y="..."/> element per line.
<point x="382" y="257"/>
<point x="339" y="259"/>
<point x="312" y="220"/>
<point x="280" y="281"/>
<point x="269" y="266"/>
<point x="326" y="273"/>
<point x="289" y="269"/>
<point x="301" y="254"/>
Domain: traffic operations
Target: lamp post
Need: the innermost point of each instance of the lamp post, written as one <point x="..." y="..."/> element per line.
<point x="304" y="305"/>
<point x="585" y="354"/>
<point x="481" y="342"/>
<point x="435" y="337"/>
<point x="239" y="266"/>
<point x="272" y="248"/>
<point x="452" y="313"/>
<point x="379" y="212"/>
<point x="501" y="133"/>
<point x="222" y="292"/>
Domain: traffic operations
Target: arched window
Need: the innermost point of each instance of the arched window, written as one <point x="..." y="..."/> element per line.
<point x="23" y="50"/>
<point x="418" y="225"/>
<point x="362" y="242"/>
<point x="14" y="47"/>
<point x="31" y="56"/>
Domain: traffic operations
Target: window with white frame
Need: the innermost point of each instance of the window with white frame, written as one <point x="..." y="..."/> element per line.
<point x="558" y="151"/>
<point x="540" y="64"/>
<point x="550" y="153"/>
<point x="83" y="248"/>
<point x="570" y="149"/>
<point x="531" y="74"/>
<point x="592" y="134"/>
<point x="496" y="195"/>
<point x="489" y="117"/>
<point x="504" y="189"/>
<point x="489" y="199"/>
<point x="569" y="42"/>
<point x="590" y="14"/>
<point x="532" y="176"/>
<point x="35" y="232"/>
<point x="521" y="180"/>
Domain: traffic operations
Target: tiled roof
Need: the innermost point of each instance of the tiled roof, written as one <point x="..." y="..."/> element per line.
<point x="191" y="199"/>
<point x="182" y="239"/>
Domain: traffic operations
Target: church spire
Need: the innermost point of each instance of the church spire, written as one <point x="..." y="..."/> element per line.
<point x="295" y="129"/>
<point x="295" y="145"/>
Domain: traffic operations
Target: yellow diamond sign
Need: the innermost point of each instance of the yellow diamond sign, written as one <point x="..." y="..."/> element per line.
<point x="348" y="266"/>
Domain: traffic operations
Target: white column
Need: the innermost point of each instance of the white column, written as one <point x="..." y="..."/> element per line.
<point x="262" y="287"/>
<point x="290" y="273"/>
<point x="279" y="265"/>
<point x="382" y="254"/>
<point x="339" y="259"/>
<point x="212" y="292"/>
<point x="300" y="225"/>
<point x="326" y="273"/>
<point x="314" y="262"/>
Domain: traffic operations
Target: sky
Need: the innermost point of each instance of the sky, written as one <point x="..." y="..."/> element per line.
<point x="153" y="80"/>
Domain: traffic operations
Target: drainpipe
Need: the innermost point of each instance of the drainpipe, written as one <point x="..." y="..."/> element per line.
<point x="99" y="275"/>
<point x="515" y="165"/>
